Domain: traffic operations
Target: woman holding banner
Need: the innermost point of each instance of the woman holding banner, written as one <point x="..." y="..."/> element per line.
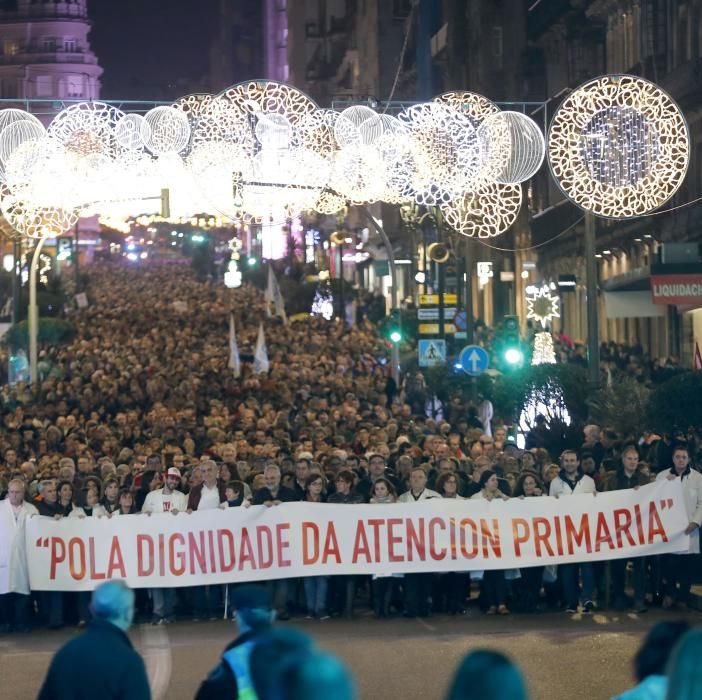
<point x="316" y="586"/>
<point x="529" y="486"/>
<point x="494" y="587"/>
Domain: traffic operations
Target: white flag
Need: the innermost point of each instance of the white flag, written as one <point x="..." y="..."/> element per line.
<point x="261" y="364"/>
<point x="234" y="360"/>
<point x="274" y="296"/>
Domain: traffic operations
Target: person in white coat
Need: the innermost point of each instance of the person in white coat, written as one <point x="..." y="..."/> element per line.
<point x="571" y="481"/>
<point x="678" y="570"/>
<point x="165" y="500"/>
<point x="14" y="576"/>
<point x="417" y="586"/>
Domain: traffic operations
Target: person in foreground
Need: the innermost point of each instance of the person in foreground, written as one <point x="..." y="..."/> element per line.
<point x="487" y="675"/>
<point x="651" y="660"/>
<point x="101" y="662"/>
<point x="285" y="665"/>
<point x="231" y="678"/>
<point x="685" y="670"/>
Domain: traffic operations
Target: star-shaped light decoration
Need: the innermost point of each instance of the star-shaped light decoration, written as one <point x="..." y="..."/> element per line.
<point x="542" y="306"/>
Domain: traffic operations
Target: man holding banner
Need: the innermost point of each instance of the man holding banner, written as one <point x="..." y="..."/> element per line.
<point x="677" y="569"/>
<point x="571" y="481"/>
<point x="14" y="579"/>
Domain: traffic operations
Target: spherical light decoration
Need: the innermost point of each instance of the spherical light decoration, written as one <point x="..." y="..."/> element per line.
<point x="8" y="116"/>
<point x="451" y="149"/>
<point x="619" y="146"/>
<point x="273" y="130"/>
<point x="17" y="133"/>
<point x="86" y="129"/>
<point x="130" y="130"/>
<point x="315" y="132"/>
<point x="329" y="203"/>
<point x="357" y="126"/>
<point x="518" y="145"/>
<point x="35" y="222"/>
<point x="472" y="105"/>
<point x="357" y="174"/>
<point x="486" y="213"/>
<point x="268" y="97"/>
<point x="168" y="130"/>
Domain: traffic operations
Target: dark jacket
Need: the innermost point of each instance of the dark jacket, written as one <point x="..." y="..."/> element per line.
<point x="196" y="492"/>
<point x="49" y="509"/>
<point x="100" y="663"/>
<point x="284" y="495"/>
<point x="221" y="683"/>
<point x="618" y="480"/>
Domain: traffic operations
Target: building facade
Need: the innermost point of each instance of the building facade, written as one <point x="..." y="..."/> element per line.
<point x="45" y="51"/>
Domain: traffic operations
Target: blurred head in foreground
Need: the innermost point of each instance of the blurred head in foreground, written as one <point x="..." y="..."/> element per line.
<point x="487" y="675"/>
<point x="113" y="602"/>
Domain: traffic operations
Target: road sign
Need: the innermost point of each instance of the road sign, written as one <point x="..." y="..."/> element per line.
<point x="433" y="299"/>
<point x="474" y="360"/>
<point x="461" y="320"/>
<point x="432" y="353"/>
<point x="433" y="328"/>
<point x="433" y="314"/>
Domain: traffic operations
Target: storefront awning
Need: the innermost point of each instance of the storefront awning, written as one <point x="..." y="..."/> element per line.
<point x="631" y="305"/>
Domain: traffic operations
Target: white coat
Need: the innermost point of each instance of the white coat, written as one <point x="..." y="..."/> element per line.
<point x="78" y="512"/>
<point x="407" y="497"/>
<point x="692" y="490"/>
<point x="14" y="575"/>
<point x="154" y="501"/>
<point x="560" y="487"/>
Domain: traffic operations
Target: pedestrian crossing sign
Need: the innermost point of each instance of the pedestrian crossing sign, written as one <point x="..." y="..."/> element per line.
<point x="432" y="352"/>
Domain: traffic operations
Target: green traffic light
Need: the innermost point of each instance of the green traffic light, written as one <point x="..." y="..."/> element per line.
<point x="251" y="262"/>
<point x="396" y="336"/>
<point x="514" y="356"/>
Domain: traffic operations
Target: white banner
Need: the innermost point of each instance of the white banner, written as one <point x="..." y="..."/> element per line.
<point x="306" y="539"/>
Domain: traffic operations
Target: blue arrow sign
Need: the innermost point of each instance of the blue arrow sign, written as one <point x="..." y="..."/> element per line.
<point x="474" y="360"/>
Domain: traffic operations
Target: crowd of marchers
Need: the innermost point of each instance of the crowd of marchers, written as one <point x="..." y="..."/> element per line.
<point x="141" y="413"/>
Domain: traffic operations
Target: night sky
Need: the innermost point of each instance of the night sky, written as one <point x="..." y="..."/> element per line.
<point x="152" y="49"/>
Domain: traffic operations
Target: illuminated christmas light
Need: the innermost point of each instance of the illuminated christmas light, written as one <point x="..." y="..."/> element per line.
<point x="542" y="306"/>
<point x="544" y="352"/>
<point x="619" y="146"/>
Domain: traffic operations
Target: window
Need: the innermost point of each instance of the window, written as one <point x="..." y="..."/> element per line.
<point x="48" y="44"/>
<point x="70" y="45"/>
<point x="10" y="47"/>
<point x="43" y="86"/>
<point x="74" y="86"/>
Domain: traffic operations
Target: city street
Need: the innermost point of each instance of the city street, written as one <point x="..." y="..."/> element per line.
<point x="411" y="659"/>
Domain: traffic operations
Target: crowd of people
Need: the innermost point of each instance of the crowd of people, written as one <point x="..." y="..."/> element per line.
<point x="141" y="413"/>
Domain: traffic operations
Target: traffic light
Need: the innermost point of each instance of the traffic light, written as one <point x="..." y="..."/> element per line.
<point x="510" y="350"/>
<point x="395" y="327"/>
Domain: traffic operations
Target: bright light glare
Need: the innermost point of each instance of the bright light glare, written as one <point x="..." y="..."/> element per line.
<point x="132" y="256"/>
<point x="131" y="246"/>
<point x="144" y="255"/>
<point x="420" y="278"/>
<point x="514" y="356"/>
<point x="396" y="336"/>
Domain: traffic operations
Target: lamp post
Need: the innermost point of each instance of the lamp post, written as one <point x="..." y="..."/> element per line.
<point x="33" y="314"/>
<point x="393" y="289"/>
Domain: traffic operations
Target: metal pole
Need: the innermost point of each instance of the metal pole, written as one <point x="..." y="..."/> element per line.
<point x="33" y="315"/>
<point x="442" y="290"/>
<point x="393" y="289"/>
<point x="341" y="285"/>
<point x="75" y="256"/>
<point x="16" y="278"/>
<point x="470" y="319"/>
<point x="593" y="336"/>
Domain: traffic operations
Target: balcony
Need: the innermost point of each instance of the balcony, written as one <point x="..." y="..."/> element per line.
<point x="39" y="57"/>
<point x="59" y="10"/>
